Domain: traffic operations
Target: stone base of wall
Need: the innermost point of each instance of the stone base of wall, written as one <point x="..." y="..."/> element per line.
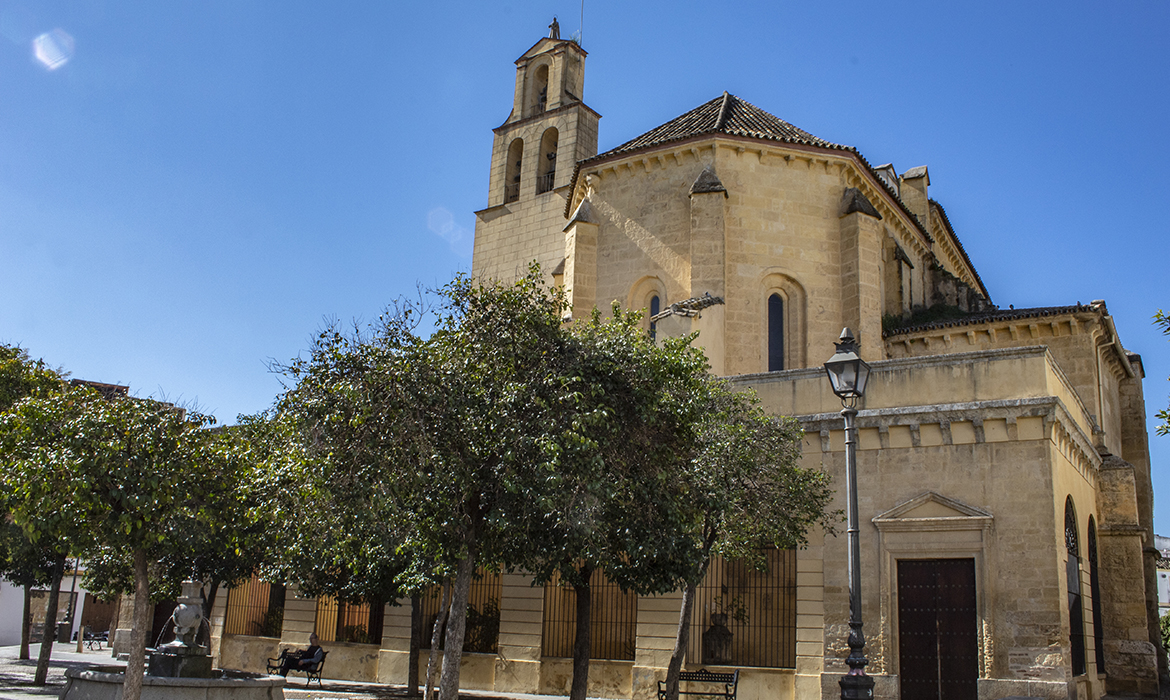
<point x="1133" y="667"/>
<point x="995" y="688"/>
<point x="607" y="679"/>
<point x="245" y="653"/>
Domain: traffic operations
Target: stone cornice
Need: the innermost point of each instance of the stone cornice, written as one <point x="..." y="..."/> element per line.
<point x="899" y="363"/>
<point x="512" y="126"/>
<point x="1059" y="426"/>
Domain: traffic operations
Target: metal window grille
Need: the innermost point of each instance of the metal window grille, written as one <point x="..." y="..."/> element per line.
<point x="356" y="623"/>
<point x="483" y="614"/>
<point x="544" y="183"/>
<point x="612" y="625"/>
<point x="744" y="617"/>
<point x="255" y="608"/>
<point x="1076" y="606"/>
<point x="1095" y="591"/>
<point x="511" y="192"/>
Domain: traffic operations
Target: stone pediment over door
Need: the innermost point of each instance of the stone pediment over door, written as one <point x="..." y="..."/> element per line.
<point x="933" y="526"/>
<point x="934" y="512"/>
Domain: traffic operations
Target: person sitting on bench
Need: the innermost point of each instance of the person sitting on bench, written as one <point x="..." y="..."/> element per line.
<point x="306" y="660"/>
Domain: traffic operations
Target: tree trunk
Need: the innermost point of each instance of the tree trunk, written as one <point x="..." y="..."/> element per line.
<point x="209" y="601"/>
<point x="581" y="638"/>
<point x="680" y="641"/>
<point x="415" y="644"/>
<point x="50" y="631"/>
<point x="26" y="621"/>
<point x="115" y="623"/>
<point x="456" y="628"/>
<point x="436" y="640"/>
<point x="135" y="665"/>
<point x="208" y="604"/>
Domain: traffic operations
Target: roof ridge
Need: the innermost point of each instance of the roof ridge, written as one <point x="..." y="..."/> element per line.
<point x="724" y="111"/>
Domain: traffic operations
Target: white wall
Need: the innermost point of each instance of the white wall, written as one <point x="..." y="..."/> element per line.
<point x="12" y="604"/>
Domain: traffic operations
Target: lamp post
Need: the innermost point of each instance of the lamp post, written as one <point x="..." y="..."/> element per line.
<point x="848" y="374"/>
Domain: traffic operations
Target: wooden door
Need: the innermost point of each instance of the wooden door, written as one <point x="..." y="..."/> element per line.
<point x="938" y="647"/>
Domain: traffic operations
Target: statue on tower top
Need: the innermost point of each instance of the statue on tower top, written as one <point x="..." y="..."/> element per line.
<point x="554" y="29"/>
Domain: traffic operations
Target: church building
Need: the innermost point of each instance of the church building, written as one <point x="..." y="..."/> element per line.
<point x="1004" y="474"/>
<point x="1003" y="464"/>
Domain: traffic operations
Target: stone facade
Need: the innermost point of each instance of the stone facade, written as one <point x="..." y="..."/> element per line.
<point x="1014" y="439"/>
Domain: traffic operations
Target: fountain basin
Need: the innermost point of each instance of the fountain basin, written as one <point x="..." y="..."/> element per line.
<point x="105" y="683"/>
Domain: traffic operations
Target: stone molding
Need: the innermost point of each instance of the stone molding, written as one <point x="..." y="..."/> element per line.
<point x="1059" y="426"/>
<point x="968" y="518"/>
<point x="972" y="356"/>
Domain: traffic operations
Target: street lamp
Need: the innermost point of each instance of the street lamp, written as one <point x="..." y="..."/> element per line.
<point x="848" y="374"/>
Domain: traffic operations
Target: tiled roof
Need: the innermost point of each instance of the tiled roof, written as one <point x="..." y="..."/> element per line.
<point x="731" y="116"/>
<point x="992" y="317"/>
<point x="962" y="251"/>
<point x="723" y="115"/>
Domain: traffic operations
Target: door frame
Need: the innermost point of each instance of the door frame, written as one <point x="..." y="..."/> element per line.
<point x="965" y="534"/>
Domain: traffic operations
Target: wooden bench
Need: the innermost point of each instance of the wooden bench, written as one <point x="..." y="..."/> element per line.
<point x="311" y="674"/>
<point x="729" y="681"/>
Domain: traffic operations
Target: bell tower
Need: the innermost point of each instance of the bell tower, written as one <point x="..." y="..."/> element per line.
<point x="533" y="156"/>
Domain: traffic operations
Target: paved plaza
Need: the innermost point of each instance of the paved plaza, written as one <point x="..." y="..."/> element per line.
<point x="16" y="679"/>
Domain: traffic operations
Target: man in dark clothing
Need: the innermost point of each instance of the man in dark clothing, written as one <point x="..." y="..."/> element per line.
<point x="306" y="660"/>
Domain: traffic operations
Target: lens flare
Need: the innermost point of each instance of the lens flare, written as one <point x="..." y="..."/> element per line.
<point x="53" y="49"/>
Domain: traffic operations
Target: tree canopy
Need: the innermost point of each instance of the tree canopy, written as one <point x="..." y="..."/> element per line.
<point x="508" y="437"/>
<point x="1163" y="321"/>
<point x="120" y="474"/>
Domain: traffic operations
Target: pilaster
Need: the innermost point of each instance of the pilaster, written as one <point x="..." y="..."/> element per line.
<point x="394" y="654"/>
<point x="1130" y="658"/>
<point x="521" y="627"/>
<point x="300" y="618"/>
<point x="581" y="261"/>
<point x="656" y="632"/>
<point x="709" y="262"/>
<point x="861" y="290"/>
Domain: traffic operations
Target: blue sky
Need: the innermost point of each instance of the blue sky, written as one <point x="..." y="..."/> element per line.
<point x="199" y="185"/>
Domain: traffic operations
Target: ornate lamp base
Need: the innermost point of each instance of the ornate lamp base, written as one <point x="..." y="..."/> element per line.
<point x="856" y="687"/>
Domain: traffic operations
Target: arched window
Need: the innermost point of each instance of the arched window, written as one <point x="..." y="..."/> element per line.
<point x="546" y="164"/>
<point x="1095" y="592"/>
<point x="512" y="171"/>
<point x="655" y="309"/>
<point x="1076" y="614"/>
<point x="781" y="326"/>
<point x="775" y="333"/>
<point x="538" y="91"/>
<point x="649" y="295"/>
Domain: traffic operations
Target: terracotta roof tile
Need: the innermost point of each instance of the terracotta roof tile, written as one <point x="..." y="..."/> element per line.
<point x="723" y="115"/>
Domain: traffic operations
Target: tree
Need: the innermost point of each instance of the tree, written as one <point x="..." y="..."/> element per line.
<point x="24" y="564"/>
<point x="221" y="548"/>
<point x="1163" y="321"/>
<point x="747" y="493"/>
<point x="453" y="436"/>
<point x="611" y="504"/>
<point x="22" y="377"/>
<point x="121" y="473"/>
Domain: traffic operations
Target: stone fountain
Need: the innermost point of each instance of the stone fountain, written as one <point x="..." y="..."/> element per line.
<point x="179" y="669"/>
<point x="183" y="657"/>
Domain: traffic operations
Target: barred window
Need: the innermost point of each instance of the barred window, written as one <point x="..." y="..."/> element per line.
<point x="1095" y="591"/>
<point x="744" y="617"/>
<point x="483" y="614"/>
<point x="255" y="608"/>
<point x="357" y="623"/>
<point x="1076" y="606"/>
<point x="612" y="624"/>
